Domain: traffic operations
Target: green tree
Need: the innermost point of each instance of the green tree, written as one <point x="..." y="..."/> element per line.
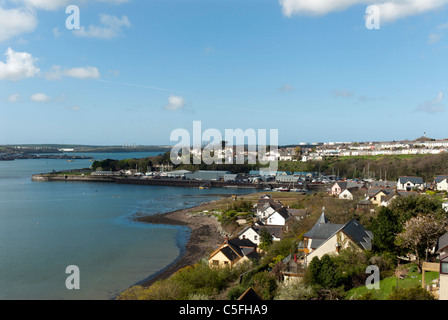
<point x="265" y="238"/>
<point x="411" y="206"/>
<point x="323" y="272"/>
<point x="385" y="227"/>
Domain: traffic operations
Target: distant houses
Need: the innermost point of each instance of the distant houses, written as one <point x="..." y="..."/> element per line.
<point x="272" y="216"/>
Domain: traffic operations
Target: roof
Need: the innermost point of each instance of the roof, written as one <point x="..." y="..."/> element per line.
<point x="237" y="248"/>
<point x="383" y="184"/>
<point x="348" y="184"/>
<point x="442" y="242"/>
<point x="283" y="212"/>
<point x="297" y="212"/>
<point x="440" y="178"/>
<point x="373" y="191"/>
<point x="277" y="231"/>
<point x="413" y="180"/>
<point x="249" y="294"/>
<point x="323" y="230"/>
<point x="358" y="234"/>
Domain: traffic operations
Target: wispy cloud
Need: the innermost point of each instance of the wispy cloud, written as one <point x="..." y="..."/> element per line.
<point x="343" y="93"/>
<point x="14" y="98"/>
<point x="139" y="86"/>
<point x="433" y="106"/>
<point x="390" y="10"/>
<point x="286" y="88"/>
<point x="111" y="28"/>
<point x="58" y="72"/>
<point x="434" y="38"/>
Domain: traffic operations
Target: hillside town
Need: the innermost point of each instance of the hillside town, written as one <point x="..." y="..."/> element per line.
<point x="349" y="220"/>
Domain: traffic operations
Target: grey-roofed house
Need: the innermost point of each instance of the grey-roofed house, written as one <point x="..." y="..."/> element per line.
<point x="441" y="182"/>
<point x="279" y="217"/>
<point x="326" y="238"/>
<point x="233" y="251"/>
<point x="409" y="183"/>
<point x="253" y="233"/>
<point x="442" y="250"/>
<point x="340" y="186"/>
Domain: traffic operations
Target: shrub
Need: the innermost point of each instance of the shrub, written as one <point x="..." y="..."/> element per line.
<point x="295" y="291"/>
<point x="413" y="293"/>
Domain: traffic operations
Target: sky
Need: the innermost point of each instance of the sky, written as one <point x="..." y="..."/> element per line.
<point x="133" y="71"/>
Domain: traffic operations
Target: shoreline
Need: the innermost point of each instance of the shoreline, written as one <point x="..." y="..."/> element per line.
<point x="205" y="234"/>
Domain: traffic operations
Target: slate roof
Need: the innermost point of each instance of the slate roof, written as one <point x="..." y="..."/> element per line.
<point x="440" y="178"/>
<point x="383" y="184"/>
<point x="358" y="234"/>
<point x="442" y="242"/>
<point x="297" y="213"/>
<point x="413" y="180"/>
<point x="373" y="191"/>
<point x="323" y="230"/>
<point x="348" y="184"/>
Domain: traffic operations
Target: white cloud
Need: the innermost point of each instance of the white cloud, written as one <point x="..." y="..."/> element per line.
<point x="40" y="97"/>
<point x="18" y="66"/>
<point x="434" y="38"/>
<point x="111" y="27"/>
<point x="14" y="22"/>
<point x="390" y="10"/>
<point x="115" y="1"/>
<point x="434" y="106"/>
<point x="88" y="72"/>
<point x="14" y="98"/>
<point x="343" y="93"/>
<point x="175" y="103"/>
<point x="50" y="5"/>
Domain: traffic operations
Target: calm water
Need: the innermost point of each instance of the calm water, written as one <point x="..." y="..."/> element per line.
<point x="47" y="226"/>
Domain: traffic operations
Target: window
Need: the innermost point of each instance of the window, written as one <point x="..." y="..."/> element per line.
<point x="444" y="267"/>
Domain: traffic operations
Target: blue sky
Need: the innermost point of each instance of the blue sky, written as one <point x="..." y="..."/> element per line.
<point x="136" y="70"/>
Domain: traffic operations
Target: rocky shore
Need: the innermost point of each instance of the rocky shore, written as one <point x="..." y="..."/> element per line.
<point x="206" y="234"/>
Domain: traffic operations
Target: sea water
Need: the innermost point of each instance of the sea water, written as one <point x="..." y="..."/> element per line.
<point x="47" y="226"/>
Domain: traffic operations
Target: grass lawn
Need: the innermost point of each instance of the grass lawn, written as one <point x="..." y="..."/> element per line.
<point x="387" y="284"/>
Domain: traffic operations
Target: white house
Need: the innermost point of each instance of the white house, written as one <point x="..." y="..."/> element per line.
<point x="441" y="183"/>
<point x="253" y="233"/>
<point x="340" y="186"/>
<point x="409" y="183"/>
<point x="445" y="206"/>
<point x="278" y="218"/>
<point x="346" y="194"/>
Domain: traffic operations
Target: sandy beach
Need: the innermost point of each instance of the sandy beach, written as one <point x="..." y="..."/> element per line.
<point x="206" y="234"/>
